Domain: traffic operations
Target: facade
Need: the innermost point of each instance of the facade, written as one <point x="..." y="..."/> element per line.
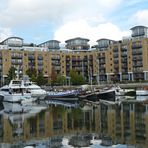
<point x="107" y="62"/>
<point x="78" y="44"/>
<point x="51" y="44"/>
<point x="125" y="60"/>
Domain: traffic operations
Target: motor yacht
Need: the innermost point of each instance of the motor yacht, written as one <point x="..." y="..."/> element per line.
<point x="15" y="92"/>
<point x="35" y="90"/>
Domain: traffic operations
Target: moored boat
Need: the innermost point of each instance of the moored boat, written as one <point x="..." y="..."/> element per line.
<point x="124" y="92"/>
<point x="143" y="91"/>
<point x="88" y="95"/>
<point x="62" y="94"/>
<point x="15" y="92"/>
<point x="107" y="94"/>
<point x="35" y="90"/>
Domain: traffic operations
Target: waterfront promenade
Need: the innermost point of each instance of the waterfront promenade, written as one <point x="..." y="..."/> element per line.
<point x="122" y="85"/>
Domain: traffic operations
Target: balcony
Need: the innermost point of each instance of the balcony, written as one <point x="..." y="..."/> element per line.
<point x="101" y="68"/>
<point x="124" y="70"/>
<point x="137" y="58"/>
<point x="56" y="64"/>
<point x="136" y="46"/>
<point x="124" y="66"/>
<point x="16" y="56"/>
<point x="56" y="58"/>
<point x="138" y="52"/>
<point x="124" y="60"/>
<point x="136" y="64"/>
<point x="40" y="58"/>
<point x="124" y="54"/>
<point x="115" y="55"/>
<point x="40" y="63"/>
<point x="31" y="57"/>
<point x="115" y="49"/>
<point x="57" y="68"/>
<point x="138" y="34"/>
<point x="116" y="61"/>
<point x="138" y="70"/>
<point x="123" y="49"/>
<point x="102" y="61"/>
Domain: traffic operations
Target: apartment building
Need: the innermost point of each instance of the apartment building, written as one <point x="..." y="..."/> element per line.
<point x="45" y="58"/>
<point x="107" y="62"/>
<point x="125" y="60"/>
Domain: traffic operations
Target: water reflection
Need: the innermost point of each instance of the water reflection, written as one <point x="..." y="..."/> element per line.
<point x="85" y="125"/>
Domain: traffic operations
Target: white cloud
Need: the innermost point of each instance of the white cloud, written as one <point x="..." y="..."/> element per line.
<point x="5" y="33"/>
<point x="109" y="4"/>
<point x="81" y="28"/>
<point x="141" y="17"/>
<point x="22" y="12"/>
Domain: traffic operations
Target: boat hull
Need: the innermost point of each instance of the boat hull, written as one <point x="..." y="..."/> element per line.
<point x="109" y="95"/>
<point x="68" y="94"/>
<point x="17" y="98"/>
<point x="141" y="92"/>
<point x="90" y="97"/>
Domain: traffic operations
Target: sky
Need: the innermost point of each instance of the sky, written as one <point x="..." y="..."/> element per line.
<point x="37" y="21"/>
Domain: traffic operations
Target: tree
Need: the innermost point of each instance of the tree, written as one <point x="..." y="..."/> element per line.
<point x="76" y="79"/>
<point x="11" y="74"/>
<point x="32" y="73"/>
<point x="40" y="79"/>
<point x="60" y="80"/>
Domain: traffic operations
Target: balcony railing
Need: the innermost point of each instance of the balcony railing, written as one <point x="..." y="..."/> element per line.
<point x="124" y="54"/>
<point x="124" y="60"/>
<point x="138" y="34"/>
<point x="31" y="57"/>
<point x="16" y="56"/>
<point x="136" y="46"/>
<point x="137" y="64"/>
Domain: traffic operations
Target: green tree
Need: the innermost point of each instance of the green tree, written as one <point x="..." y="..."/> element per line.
<point x="60" y="80"/>
<point x="40" y="79"/>
<point x="76" y="79"/>
<point x="32" y="73"/>
<point x="11" y="74"/>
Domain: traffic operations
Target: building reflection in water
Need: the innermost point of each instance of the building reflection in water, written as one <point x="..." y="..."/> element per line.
<point x="126" y="122"/>
<point x="47" y="125"/>
<point x="115" y="123"/>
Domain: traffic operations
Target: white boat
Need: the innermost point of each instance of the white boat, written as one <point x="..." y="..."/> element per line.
<point x="124" y="92"/>
<point x="15" y="92"/>
<point x="35" y="90"/>
<point x="142" y="92"/>
<point x="21" y="90"/>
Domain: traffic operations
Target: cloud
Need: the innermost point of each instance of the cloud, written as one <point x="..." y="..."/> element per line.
<point x="141" y="17"/>
<point x="5" y="33"/>
<point x="28" y="12"/>
<point x="109" y="4"/>
<point x="82" y="28"/>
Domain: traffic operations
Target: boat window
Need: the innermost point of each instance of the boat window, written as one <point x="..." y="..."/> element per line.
<point x="16" y="82"/>
<point x="5" y="90"/>
<point x="17" y="90"/>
